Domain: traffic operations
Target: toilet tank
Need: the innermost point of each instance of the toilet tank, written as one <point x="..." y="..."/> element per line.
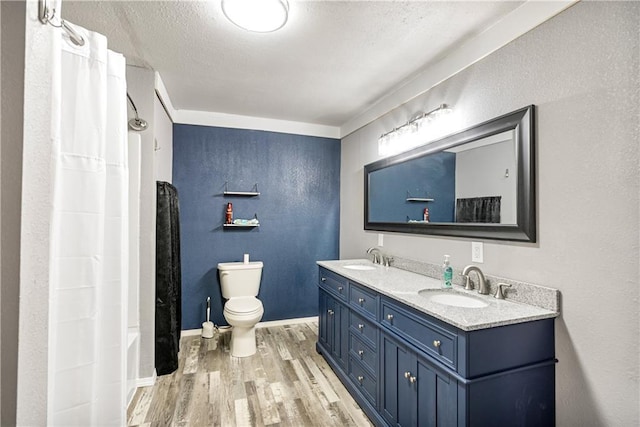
<point x="238" y="279"/>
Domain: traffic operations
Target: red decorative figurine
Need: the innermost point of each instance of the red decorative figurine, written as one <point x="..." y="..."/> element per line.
<point x="229" y="219"/>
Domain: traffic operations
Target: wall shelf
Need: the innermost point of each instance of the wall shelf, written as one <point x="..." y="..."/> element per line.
<point x="241" y="193"/>
<point x="240" y="225"/>
<point x="252" y="193"/>
<point x="411" y="198"/>
<point x="418" y="199"/>
<point x="254" y="224"/>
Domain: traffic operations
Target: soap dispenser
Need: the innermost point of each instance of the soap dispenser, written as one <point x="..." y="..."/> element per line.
<point x="447" y="273"/>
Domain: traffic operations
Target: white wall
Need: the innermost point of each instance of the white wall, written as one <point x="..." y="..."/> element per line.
<point x="140" y="85"/>
<point x="133" y="309"/>
<point x="133" y="294"/>
<point x="33" y="243"/>
<point x="490" y="179"/>
<point x="163" y="133"/>
<point x="12" y="32"/>
<point x="582" y="71"/>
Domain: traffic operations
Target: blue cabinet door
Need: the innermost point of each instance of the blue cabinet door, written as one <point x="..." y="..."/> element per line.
<point x="337" y="331"/>
<point x="323" y="332"/>
<point x="415" y="392"/>
<point x="406" y="373"/>
<point x="333" y="327"/>
<point x="389" y="403"/>
<point x="397" y="393"/>
<point x="436" y="400"/>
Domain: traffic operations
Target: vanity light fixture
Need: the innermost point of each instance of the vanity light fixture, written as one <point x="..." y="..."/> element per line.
<point x="260" y="16"/>
<point x="408" y="135"/>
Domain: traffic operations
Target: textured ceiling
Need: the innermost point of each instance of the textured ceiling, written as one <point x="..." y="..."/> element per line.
<point x="331" y="61"/>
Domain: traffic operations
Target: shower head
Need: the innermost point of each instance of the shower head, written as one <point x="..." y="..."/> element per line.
<point x="136" y="123"/>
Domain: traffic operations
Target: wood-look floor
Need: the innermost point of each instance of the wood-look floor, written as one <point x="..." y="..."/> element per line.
<point x="286" y="383"/>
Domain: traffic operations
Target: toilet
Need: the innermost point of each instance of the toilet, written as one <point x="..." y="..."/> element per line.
<point x="240" y="283"/>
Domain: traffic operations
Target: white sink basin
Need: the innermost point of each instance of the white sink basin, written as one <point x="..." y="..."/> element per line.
<point x="452" y="298"/>
<point x="361" y="267"/>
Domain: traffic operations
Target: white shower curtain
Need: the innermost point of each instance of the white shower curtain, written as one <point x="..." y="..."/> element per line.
<point x="89" y="232"/>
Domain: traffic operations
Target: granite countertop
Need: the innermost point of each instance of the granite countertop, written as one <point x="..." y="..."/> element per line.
<point x="403" y="286"/>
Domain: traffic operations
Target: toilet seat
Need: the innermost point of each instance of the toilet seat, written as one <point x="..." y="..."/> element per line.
<point x="243" y="306"/>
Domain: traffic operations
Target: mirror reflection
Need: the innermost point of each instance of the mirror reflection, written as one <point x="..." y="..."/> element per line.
<point x="471" y="183"/>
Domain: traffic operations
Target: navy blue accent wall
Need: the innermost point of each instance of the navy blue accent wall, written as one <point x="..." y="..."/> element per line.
<point x="430" y="176"/>
<point x="298" y="208"/>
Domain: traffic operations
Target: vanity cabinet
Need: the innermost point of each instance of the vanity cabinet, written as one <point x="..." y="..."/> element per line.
<point x="407" y="368"/>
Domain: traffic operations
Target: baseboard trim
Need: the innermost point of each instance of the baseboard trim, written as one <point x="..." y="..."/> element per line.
<point x="147" y="381"/>
<point x="190" y="332"/>
<point x="285" y="322"/>
<point x="267" y="324"/>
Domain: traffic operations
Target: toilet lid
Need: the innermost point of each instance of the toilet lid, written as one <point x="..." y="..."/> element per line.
<point x="243" y="305"/>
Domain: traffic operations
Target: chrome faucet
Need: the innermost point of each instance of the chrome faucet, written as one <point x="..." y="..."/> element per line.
<point x="377" y="255"/>
<point x="386" y="260"/>
<point x="483" y="288"/>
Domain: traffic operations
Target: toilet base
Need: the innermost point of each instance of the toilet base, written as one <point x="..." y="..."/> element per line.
<point x="243" y="341"/>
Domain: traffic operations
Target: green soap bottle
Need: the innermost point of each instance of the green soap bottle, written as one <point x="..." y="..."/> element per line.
<point x="447" y="273"/>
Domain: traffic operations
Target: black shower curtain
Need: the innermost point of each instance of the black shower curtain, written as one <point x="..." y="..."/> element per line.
<point x="168" y="279"/>
<point x="478" y="209"/>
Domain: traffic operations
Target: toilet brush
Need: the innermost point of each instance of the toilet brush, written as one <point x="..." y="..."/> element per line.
<point x="207" y="327"/>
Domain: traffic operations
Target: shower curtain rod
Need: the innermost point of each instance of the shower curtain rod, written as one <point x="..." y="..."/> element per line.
<point x="46" y="15"/>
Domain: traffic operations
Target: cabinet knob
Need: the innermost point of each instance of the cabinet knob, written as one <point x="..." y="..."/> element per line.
<point x="360" y="378"/>
<point x="360" y="353"/>
<point x="436" y="343"/>
<point x="361" y="300"/>
<point x="330" y="312"/>
<point x="360" y="326"/>
<point x="340" y="288"/>
<point x="407" y="375"/>
<point x="412" y="379"/>
<point x="389" y="317"/>
<point x="324" y="279"/>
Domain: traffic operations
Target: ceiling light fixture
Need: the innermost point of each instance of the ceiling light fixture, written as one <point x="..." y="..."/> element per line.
<point x="260" y="16"/>
<point x="412" y="133"/>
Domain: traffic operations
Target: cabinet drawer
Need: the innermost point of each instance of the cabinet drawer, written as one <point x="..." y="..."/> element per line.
<point x="434" y="340"/>
<point x="334" y="283"/>
<point x="362" y="352"/>
<point x="364" y="329"/>
<point x="363" y="299"/>
<point x="363" y="380"/>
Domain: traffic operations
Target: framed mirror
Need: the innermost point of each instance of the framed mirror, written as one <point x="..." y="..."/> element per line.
<point x="477" y="183"/>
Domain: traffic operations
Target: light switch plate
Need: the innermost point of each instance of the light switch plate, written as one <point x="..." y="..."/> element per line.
<point x="477" y="252"/>
<point x="381" y="240"/>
